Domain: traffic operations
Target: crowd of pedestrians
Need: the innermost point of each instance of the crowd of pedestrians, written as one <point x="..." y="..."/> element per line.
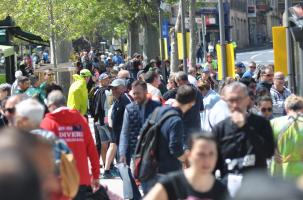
<point x="208" y="134"/>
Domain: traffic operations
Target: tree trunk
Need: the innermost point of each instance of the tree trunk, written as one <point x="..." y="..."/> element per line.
<point x="151" y="47"/>
<point x="133" y="38"/>
<point x="174" y="62"/>
<point x="193" y="45"/>
<point x="64" y="49"/>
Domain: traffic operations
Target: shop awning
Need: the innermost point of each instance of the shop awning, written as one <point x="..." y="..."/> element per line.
<point x="28" y="37"/>
<point x="9" y="25"/>
<point x="7" y="50"/>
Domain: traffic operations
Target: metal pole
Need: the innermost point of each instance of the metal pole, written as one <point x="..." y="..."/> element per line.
<point x="222" y="37"/>
<point x="183" y="36"/>
<point x="160" y="33"/>
<point x="203" y="38"/>
<point x="289" y="50"/>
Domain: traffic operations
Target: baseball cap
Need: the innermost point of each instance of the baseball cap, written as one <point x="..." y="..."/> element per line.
<point x="117" y="82"/>
<point x="240" y="65"/>
<point x="85" y="73"/>
<point x="103" y="76"/>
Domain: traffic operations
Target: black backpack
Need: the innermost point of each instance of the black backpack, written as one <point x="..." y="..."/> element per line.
<point x="146" y="156"/>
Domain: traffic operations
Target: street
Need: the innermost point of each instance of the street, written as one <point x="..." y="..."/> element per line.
<point x="260" y="57"/>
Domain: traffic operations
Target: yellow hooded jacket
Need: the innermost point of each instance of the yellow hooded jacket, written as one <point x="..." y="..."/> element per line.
<point x="78" y="95"/>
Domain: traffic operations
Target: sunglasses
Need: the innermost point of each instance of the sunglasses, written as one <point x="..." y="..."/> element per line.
<point x="269" y="75"/>
<point x="253" y="67"/>
<point x="10" y="110"/>
<point x="266" y="110"/>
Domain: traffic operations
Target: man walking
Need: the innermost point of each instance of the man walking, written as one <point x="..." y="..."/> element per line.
<point x="121" y="99"/>
<point x="78" y="94"/>
<point x="279" y="93"/>
<point x="134" y="117"/>
<point x="73" y="128"/>
<point x="171" y="142"/>
<point x="245" y="140"/>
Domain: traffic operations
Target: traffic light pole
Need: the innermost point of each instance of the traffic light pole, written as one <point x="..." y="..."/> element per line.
<point x="222" y="38"/>
<point x="289" y="51"/>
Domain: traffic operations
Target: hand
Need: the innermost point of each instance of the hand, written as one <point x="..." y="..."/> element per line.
<point x="278" y="158"/>
<point x="95" y="184"/>
<point x="123" y="159"/>
<point x="238" y="118"/>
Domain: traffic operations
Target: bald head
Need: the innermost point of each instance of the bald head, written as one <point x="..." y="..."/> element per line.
<point x="123" y="74"/>
<point x="279" y="81"/>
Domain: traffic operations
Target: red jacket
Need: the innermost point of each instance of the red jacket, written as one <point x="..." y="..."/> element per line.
<point x="73" y="128"/>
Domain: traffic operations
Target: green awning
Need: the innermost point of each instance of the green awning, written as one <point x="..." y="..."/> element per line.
<point x="7" y="50"/>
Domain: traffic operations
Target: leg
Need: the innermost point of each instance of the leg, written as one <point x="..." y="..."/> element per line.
<point x="110" y="155"/>
<point x="104" y="148"/>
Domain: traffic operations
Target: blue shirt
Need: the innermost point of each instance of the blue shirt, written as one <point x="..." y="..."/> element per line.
<point x="248" y="74"/>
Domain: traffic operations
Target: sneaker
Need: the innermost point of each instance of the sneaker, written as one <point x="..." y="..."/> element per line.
<point x="107" y="175"/>
<point x="115" y="172"/>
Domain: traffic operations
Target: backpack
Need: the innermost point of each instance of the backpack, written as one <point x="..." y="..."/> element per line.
<point x="69" y="175"/>
<point x="146" y="158"/>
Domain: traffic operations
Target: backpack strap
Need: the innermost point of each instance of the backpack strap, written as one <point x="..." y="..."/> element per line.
<point x="154" y="116"/>
<point x="166" y="116"/>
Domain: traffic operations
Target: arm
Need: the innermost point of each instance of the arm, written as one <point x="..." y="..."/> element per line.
<point x="124" y="137"/>
<point x="91" y="151"/>
<point x="157" y="192"/>
<point x="176" y="132"/>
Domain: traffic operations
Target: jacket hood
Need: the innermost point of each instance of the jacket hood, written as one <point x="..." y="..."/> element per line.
<point x="77" y="77"/>
<point x="60" y="115"/>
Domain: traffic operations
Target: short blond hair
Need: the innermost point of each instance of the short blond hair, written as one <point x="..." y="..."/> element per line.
<point x="293" y="102"/>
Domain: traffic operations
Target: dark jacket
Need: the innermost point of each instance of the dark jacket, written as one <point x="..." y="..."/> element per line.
<point x="132" y="123"/>
<point x="264" y="86"/>
<point x="170" y="141"/>
<point x="97" y="105"/>
<point x="118" y="113"/>
<point x="254" y="139"/>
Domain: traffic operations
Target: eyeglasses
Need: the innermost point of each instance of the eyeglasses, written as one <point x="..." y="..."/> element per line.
<point x="268" y="75"/>
<point x="50" y="74"/>
<point x="253" y="67"/>
<point x="263" y="110"/>
<point x="280" y="78"/>
<point x="10" y="110"/>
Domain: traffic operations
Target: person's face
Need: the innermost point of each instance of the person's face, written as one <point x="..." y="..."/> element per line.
<point x="265" y="108"/>
<point x="236" y="100"/>
<point x="105" y="82"/>
<point x="170" y="85"/>
<point x="3" y="94"/>
<point x="238" y="70"/>
<point x="203" y="156"/>
<point x="205" y="76"/>
<point x="139" y="94"/>
<point x="252" y="67"/>
<point x="24" y="86"/>
<point x="157" y="81"/>
<point x="49" y="76"/>
<point x="268" y="76"/>
<point x="252" y="87"/>
<point x="279" y="80"/>
<point x="117" y="91"/>
<point x="209" y="59"/>
<point x="9" y="110"/>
